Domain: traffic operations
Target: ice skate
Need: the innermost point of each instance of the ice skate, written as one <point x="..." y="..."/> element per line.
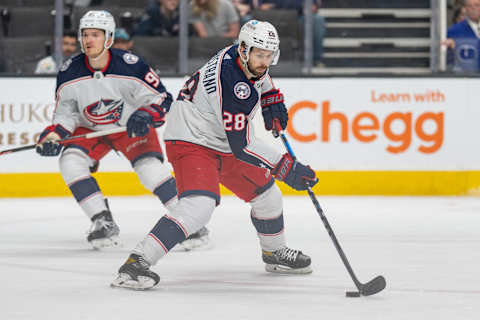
<point x="104" y="231"/>
<point x="286" y="260"/>
<point x="196" y="241"/>
<point x="135" y="274"/>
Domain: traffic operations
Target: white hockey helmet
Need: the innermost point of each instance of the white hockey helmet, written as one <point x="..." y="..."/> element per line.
<point x="98" y="19"/>
<point x="261" y="35"/>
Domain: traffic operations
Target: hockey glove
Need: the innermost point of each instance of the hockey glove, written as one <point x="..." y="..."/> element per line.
<point x="273" y="109"/>
<point x="293" y="173"/>
<point x="47" y="144"/>
<point x="140" y="121"/>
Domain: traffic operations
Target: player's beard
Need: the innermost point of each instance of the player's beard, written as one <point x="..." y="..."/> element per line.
<point x="259" y="71"/>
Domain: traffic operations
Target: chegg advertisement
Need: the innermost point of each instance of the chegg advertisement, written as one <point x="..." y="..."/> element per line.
<point x="384" y="124"/>
<point x="363" y="136"/>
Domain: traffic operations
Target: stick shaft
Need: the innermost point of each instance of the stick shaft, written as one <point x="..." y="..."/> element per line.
<point x="325" y="221"/>
<point x="91" y="135"/>
<point x="69" y="139"/>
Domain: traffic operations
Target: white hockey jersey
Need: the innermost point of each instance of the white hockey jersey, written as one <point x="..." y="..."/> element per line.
<point x="216" y="107"/>
<point x="105" y="99"/>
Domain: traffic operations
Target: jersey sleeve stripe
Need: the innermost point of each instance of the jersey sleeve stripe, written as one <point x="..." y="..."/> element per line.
<point x="219" y="82"/>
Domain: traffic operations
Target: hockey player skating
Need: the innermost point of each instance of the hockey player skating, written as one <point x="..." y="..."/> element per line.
<point x="210" y="140"/>
<point x="101" y="89"/>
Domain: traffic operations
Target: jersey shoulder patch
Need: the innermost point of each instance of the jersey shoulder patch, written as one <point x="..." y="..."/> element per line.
<point x="242" y="90"/>
<point x="130" y="58"/>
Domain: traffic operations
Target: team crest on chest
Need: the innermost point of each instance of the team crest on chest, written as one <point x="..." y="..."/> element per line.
<point x="242" y="90"/>
<point x="104" y="111"/>
<point x="130" y="58"/>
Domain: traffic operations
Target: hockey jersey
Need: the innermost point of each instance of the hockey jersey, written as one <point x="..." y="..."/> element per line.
<point x="105" y="99"/>
<point x="216" y="107"/>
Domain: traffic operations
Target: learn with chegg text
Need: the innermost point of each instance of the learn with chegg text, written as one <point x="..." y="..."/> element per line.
<point x="366" y="126"/>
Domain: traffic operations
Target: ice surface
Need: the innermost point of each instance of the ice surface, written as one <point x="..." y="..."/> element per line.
<point x="428" y="249"/>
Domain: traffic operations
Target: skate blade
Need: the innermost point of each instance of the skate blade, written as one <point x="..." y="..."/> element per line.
<point x="104" y="243"/>
<point x="276" y="268"/>
<point x="199" y="244"/>
<point x="124" y="281"/>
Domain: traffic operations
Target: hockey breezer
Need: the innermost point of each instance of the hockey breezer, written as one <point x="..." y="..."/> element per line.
<point x="364" y="289"/>
<point x="69" y="139"/>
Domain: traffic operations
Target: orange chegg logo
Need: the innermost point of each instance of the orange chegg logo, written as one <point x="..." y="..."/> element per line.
<point x="365" y="127"/>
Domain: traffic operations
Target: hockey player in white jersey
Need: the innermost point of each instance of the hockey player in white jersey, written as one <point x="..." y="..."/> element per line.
<point x="101" y="89"/>
<point x="210" y="140"/>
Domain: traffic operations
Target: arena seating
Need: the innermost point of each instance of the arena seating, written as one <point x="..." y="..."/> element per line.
<point x="159" y="52"/>
<point x="369" y="36"/>
<point x="363" y="36"/>
<point x="31" y="21"/>
<point x="21" y="54"/>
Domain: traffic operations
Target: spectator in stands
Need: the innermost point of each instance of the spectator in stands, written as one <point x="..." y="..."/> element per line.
<point x="122" y="40"/>
<point x="468" y="28"/>
<point x="214" y="18"/>
<point x="459" y="14"/>
<point x="319" y="23"/>
<point x="160" y="19"/>
<point x="48" y="65"/>
<point x="463" y="40"/>
<point x="244" y="9"/>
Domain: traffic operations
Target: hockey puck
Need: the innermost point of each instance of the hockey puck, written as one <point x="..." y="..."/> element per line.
<point x="352" y="294"/>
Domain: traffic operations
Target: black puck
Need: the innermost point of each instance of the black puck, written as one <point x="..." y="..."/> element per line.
<point x="352" y="294"/>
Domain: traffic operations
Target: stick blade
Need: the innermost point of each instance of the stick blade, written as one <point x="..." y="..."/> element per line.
<point x="374" y="286"/>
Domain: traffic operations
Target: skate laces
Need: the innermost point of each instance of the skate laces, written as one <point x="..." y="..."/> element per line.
<point x="287" y="254"/>
<point x="140" y="260"/>
<point x="101" y="223"/>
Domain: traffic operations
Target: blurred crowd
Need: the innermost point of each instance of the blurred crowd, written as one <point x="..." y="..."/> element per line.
<point x="223" y="19"/>
<point x="207" y="18"/>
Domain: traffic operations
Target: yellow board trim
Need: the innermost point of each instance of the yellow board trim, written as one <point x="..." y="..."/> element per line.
<point x="14" y="185"/>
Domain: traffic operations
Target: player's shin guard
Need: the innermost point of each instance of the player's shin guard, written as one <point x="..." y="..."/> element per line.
<point x="163" y="237"/>
<point x="187" y="217"/>
<point x="74" y="166"/>
<point x="267" y="218"/>
<point x="167" y="193"/>
<point x="156" y="177"/>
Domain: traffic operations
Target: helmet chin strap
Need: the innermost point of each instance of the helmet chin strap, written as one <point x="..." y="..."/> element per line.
<point x="250" y="74"/>
<point x="105" y="49"/>
<point x="100" y="55"/>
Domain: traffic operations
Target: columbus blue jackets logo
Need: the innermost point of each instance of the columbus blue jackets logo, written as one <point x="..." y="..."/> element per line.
<point x="242" y="90"/>
<point x="104" y="111"/>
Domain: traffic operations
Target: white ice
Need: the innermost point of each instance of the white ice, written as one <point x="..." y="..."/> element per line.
<point x="428" y="249"/>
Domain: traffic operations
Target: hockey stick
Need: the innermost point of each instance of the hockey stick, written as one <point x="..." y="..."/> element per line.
<point x="69" y="139"/>
<point x="365" y="289"/>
